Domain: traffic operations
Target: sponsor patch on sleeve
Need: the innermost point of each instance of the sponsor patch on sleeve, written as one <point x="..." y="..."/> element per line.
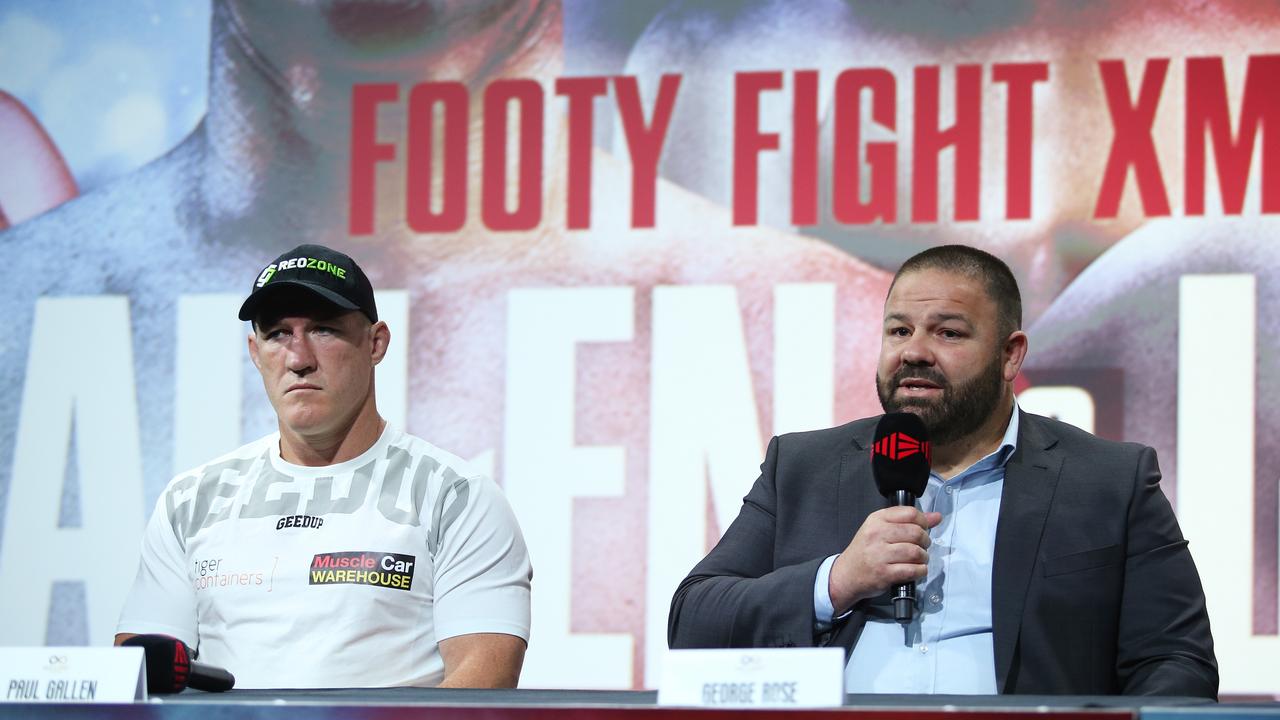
<point x="363" y="567"/>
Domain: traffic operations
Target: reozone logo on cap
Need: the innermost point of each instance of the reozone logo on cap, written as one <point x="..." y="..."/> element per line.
<point x="388" y="570"/>
<point x="301" y="263"/>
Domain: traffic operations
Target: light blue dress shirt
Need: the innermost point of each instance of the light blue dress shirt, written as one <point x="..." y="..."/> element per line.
<point x="947" y="647"/>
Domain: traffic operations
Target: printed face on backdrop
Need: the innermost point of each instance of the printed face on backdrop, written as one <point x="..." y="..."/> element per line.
<point x="382" y="36"/>
<point x="1043" y="132"/>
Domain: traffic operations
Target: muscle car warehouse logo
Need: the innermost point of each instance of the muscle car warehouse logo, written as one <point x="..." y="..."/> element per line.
<point x="388" y="570"/>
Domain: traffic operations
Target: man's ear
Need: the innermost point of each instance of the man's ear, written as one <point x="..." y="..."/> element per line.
<point x="380" y="337"/>
<point x="1014" y="353"/>
<point x="253" y="350"/>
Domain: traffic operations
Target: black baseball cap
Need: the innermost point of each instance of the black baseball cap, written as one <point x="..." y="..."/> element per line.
<point x="328" y="273"/>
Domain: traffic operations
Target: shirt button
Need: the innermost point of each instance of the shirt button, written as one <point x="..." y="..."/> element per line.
<point x="951" y="489"/>
<point x="924" y="649"/>
<point x="935" y="599"/>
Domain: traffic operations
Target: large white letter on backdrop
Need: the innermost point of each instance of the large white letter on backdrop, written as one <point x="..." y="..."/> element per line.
<point x="1216" y="341"/>
<point x="79" y="374"/>
<point x="804" y="357"/>
<point x="544" y="470"/>
<point x="207" y="378"/>
<point x="703" y="425"/>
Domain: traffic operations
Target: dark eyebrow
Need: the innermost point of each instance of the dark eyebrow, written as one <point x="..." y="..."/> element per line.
<point x="936" y="318"/>
<point x="947" y="317"/>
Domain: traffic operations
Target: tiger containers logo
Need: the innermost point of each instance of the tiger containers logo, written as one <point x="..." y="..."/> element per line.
<point x="388" y="570"/>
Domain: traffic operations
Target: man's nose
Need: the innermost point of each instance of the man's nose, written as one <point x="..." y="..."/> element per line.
<point x="301" y="358"/>
<point x="916" y="351"/>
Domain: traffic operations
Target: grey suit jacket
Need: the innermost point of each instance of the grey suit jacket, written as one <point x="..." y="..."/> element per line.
<point x="1093" y="589"/>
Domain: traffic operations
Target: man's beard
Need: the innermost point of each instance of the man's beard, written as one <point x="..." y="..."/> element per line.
<point x="961" y="410"/>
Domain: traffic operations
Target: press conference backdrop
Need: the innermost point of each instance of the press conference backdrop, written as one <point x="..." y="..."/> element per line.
<point x="619" y="246"/>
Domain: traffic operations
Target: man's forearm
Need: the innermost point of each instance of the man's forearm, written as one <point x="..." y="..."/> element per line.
<point x="482" y="660"/>
<point x="774" y="610"/>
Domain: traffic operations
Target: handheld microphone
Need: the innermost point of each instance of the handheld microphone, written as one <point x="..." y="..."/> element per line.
<point x="900" y="458"/>
<point x="170" y="668"/>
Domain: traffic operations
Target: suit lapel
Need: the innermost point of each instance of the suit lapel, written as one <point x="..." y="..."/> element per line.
<point x="857" y="496"/>
<point x="1031" y="477"/>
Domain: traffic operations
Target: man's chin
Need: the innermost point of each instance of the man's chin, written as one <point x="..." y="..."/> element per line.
<point x="924" y="410"/>
<point x="305" y="423"/>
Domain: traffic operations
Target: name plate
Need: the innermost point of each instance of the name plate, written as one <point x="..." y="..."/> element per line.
<point x="777" y="677"/>
<point x="72" y="674"/>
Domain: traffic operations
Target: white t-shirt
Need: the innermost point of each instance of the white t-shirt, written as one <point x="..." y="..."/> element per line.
<point x="341" y="576"/>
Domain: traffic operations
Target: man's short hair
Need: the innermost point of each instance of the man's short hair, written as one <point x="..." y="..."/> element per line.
<point x="1002" y="286"/>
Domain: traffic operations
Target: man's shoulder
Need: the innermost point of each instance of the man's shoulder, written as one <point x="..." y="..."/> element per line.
<point x="243" y="456"/>
<point x="1068" y="438"/>
<point x="849" y="436"/>
<point x="418" y="447"/>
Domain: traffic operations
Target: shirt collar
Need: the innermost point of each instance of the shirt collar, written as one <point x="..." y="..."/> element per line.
<point x="1010" y="441"/>
<point x="998" y="458"/>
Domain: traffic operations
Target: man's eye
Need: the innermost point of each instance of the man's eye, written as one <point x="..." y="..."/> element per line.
<point x="951" y="334"/>
<point x="899" y="332"/>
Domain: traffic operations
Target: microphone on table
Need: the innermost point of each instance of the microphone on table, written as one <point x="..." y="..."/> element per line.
<point x="900" y="458"/>
<point x="170" y="668"/>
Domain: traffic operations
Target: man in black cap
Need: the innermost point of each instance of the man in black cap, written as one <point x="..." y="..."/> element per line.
<point x="337" y="552"/>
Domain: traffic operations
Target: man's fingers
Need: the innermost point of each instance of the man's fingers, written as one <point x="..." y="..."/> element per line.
<point x="906" y="572"/>
<point x="906" y="533"/>
<point x="900" y="514"/>
<point x="905" y="553"/>
<point x="890" y="548"/>
<point x="926" y="520"/>
<point x="911" y="515"/>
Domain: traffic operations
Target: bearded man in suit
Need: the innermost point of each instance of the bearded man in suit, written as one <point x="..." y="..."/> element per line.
<point x="1048" y="561"/>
